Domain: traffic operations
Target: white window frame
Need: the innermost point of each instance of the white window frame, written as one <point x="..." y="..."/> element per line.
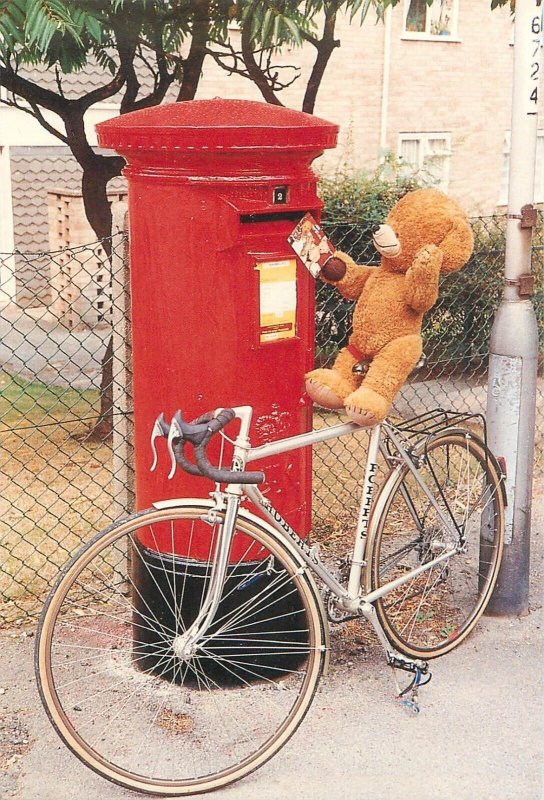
<point x="425" y="153"/>
<point x="428" y="34"/>
<point x="539" y="169"/>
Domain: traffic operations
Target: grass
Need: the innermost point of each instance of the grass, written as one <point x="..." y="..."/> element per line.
<point x="33" y="402"/>
<point x="56" y="485"/>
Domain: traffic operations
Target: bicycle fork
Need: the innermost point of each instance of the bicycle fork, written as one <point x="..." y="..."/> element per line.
<point x="186" y="644"/>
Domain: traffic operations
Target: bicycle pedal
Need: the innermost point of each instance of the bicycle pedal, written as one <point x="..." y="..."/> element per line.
<point x="412" y="706"/>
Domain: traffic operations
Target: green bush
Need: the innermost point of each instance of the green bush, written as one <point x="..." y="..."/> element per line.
<point x="457" y="330"/>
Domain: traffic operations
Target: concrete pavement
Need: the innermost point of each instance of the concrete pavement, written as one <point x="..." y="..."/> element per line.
<point x="479" y="736"/>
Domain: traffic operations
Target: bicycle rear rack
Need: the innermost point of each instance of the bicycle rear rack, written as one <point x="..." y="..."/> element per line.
<point x="436" y="421"/>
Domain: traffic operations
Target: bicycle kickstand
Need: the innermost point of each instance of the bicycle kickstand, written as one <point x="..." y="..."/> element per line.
<point x="409" y="696"/>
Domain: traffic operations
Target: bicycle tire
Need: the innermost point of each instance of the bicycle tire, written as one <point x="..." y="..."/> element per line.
<point x="135" y="712"/>
<point x="435" y="611"/>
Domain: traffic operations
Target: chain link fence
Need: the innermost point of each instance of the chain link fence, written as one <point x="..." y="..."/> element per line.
<point x="65" y="378"/>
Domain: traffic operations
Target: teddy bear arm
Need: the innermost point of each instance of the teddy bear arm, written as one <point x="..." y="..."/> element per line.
<point x="421" y="280"/>
<point x="351" y="285"/>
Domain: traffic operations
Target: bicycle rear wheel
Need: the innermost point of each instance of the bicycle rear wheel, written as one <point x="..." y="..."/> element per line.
<point x="434" y="611"/>
<point x="134" y="710"/>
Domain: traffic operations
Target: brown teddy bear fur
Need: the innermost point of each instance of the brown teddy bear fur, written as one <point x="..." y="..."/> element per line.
<point x="434" y="237"/>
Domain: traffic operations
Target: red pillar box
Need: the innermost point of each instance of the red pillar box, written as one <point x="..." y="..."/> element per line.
<point x="222" y="309"/>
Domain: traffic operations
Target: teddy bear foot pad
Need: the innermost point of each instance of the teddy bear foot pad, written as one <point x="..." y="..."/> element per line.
<point x="363" y="418"/>
<point x="323" y="396"/>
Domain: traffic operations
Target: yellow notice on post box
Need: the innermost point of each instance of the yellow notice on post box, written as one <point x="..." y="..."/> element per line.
<point x="278" y="299"/>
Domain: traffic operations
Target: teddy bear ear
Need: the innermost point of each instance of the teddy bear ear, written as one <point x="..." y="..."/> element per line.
<point x="457" y="246"/>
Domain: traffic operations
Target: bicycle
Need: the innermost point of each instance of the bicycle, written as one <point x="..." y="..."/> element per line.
<point x="172" y="671"/>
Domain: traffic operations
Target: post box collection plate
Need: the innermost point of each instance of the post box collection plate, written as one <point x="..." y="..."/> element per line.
<point x="277" y="299"/>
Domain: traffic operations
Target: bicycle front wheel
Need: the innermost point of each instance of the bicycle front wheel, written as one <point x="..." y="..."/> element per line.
<point x="139" y="711"/>
<point x="432" y="612"/>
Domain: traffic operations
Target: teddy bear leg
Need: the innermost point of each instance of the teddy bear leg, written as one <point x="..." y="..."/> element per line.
<point x="371" y="402"/>
<point x="329" y="387"/>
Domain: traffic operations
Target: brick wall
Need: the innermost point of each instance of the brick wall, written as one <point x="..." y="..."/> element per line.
<point x="461" y="86"/>
<point x="34" y="171"/>
<point x="80" y="279"/>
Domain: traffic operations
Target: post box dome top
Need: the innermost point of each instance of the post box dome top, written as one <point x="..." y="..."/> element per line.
<point x="215" y="125"/>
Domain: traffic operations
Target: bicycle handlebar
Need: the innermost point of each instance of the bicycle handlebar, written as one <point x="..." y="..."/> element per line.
<point x="199" y="433"/>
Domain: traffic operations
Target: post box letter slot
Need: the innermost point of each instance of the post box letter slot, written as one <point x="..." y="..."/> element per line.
<point x="273" y="216"/>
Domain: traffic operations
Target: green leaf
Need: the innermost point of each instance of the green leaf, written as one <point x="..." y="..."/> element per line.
<point x="294" y="29"/>
<point x="93" y="27"/>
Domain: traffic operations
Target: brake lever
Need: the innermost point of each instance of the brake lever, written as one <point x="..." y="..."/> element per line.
<point x="175" y="432"/>
<point x="160" y="429"/>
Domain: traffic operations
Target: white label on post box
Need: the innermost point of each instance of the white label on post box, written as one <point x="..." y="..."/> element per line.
<point x="278" y="299"/>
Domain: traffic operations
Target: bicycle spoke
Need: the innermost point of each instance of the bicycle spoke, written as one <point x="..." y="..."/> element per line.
<point x="435" y="609"/>
<point x="116" y="657"/>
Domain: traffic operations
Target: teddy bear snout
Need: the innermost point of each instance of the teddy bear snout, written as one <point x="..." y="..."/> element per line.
<point x="386" y="241"/>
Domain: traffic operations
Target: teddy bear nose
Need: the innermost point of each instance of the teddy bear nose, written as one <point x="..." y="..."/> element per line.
<point x="386" y="241"/>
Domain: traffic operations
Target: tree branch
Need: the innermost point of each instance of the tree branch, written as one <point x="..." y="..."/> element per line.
<point x="325" y="48"/>
<point x="101" y="93"/>
<point x="192" y="65"/>
<point x="35" y="112"/>
<point x="231" y="61"/>
<point x="254" y="72"/>
<point x="32" y="92"/>
<point x="163" y="81"/>
<point x="126" y="47"/>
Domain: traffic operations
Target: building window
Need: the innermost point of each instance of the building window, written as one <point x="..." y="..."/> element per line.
<point x="428" y="154"/>
<point x="539" y="169"/>
<point x="435" y="21"/>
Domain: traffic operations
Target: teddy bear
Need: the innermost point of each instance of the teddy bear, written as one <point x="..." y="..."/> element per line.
<point x="425" y="234"/>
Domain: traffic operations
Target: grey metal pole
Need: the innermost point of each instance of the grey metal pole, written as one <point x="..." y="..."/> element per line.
<point x="511" y="397"/>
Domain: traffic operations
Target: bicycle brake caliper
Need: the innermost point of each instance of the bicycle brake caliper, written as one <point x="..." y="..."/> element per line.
<point x="212" y="516"/>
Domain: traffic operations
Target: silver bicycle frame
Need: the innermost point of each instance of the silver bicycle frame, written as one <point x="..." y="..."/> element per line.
<point x="351" y="598"/>
<point x="310" y="554"/>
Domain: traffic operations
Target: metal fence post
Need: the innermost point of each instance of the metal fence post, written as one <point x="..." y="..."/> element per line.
<point x="123" y="465"/>
<point x="511" y="398"/>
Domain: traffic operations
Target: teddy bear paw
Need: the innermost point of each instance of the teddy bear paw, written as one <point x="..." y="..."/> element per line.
<point x="363" y="418"/>
<point x="366" y="407"/>
<point x="327" y="388"/>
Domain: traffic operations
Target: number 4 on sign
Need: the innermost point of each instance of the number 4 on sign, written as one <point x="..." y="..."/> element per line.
<point x="536" y="28"/>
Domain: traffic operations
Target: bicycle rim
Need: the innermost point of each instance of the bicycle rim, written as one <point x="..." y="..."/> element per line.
<point x="145" y="717"/>
<point x="433" y="612"/>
